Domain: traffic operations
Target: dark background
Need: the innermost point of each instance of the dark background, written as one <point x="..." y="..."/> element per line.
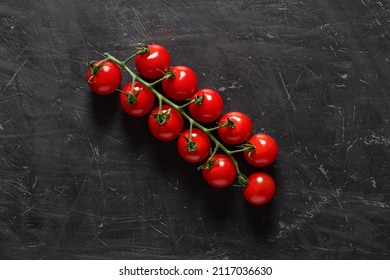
<point x="79" y="179"/>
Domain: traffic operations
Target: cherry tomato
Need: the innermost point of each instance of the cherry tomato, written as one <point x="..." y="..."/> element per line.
<point x="260" y="189"/>
<point x="168" y="130"/>
<point x="222" y="173"/>
<point x="107" y="78"/>
<point x="142" y="102"/>
<point x="209" y="108"/>
<point x="238" y="130"/>
<point x="195" y="151"/>
<point x="182" y="85"/>
<point x="153" y="64"/>
<point x="265" y="153"/>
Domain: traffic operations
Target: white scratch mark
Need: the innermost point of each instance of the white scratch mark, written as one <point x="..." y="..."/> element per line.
<point x="336" y="197"/>
<point x="140" y="157"/>
<point x="13" y="77"/>
<point x="344" y="76"/>
<point x="55" y="68"/>
<point x="97" y="167"/>
<point x="373" y="182"/>
<point x="35" y="182"/>
<point x="377" y="140"/>
<point x="156" y="229"/>
<point x="97" y="237"/>
<point x="302" y="219"/>
<point x="347" y="151"/>
<point x="28" y="210"/>
<point x="364" y="82"/>
<point x="350" y="146"/>
<point x="287" y="92"/>
<point x="324" y="171"/>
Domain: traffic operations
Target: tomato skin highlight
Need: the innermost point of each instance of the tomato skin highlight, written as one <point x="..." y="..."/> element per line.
<point x="202" y="146"/>
<point x="107" y="79"/>
<point x="265" y="153"/>
<point x="260" y="189"/>
<point x="182" y="85"/>
<point x="240" y="133"/>
<point x="153" y="64"/>
<point x="144" y="100"/>
<point x="210" y="109"/>
<point x="222" y="173"/>
<point x="171" y="129"/>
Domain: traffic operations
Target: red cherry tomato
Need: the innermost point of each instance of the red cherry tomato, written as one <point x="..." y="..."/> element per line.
<point x="239" y="132"/>
<point x="222" y="173"/>
<point x="209" y="108"/>
<point x="172" y="126"/>
<point x="153" y="64"/>
<point x="182" y="85"/>
<point x="188" y="151"/>
<point x="260" y="189"/>
<point x="107" y="78"/>
<point x="265" y="153"/>
<point x="142" y="102"/>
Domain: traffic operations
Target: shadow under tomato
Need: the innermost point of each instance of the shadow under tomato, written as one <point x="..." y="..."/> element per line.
<point x="104" y="107"/>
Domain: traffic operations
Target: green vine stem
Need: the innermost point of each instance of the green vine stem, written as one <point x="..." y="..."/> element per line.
<point x="218" y="145"/>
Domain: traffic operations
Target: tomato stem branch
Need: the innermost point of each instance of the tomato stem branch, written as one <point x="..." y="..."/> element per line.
<point x="191" y="125"/>
<point x="130" y="58"/>
<point x="160" y="104"/>
<point x="240" y="150"/>
<point x="187" y="104"/>
<point x="213" y="128"/>
<point x="122" y="92"/>
<point x="159" y="80"/>
<point x="162" y="98"/>
<point x="132" y="86"/>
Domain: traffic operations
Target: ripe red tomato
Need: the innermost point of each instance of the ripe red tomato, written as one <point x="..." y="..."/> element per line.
<point x="168" y="130"/>
<point x="142" y="102"/>
<point x="153" y="64"/>
<point x="182" y="85"/>
<point x="265" y="153"/>
<point x="188" y="151"/>
<point x="106" y="80"/>
<point x="239" y="132"/>
<point x="209" y="108"/>
<point x="222" y="173"/>
<point x="260" y="189"/>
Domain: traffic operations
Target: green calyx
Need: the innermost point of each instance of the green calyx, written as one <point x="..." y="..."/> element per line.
<point x="162" y="117"/>
<point x="248" y="147"/>
<point x="170" y="74"/>
<point x="242" y="180"/>
<point x="199" y="99"/>
<point x="93" y="68"/>
<point x="191" y="146"/>
<point x="132" y="98"/>
<point x="142" y="49"/>
<point x="208" y="164"/>
<point x="230" y="123"/>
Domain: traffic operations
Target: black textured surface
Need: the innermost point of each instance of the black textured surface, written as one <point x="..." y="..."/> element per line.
<point x="81" y="180"/>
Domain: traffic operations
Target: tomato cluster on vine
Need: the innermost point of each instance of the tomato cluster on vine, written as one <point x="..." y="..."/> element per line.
<point x="202" y="107"/>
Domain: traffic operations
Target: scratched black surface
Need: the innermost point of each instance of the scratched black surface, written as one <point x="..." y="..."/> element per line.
<point x="81" y="180"/>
